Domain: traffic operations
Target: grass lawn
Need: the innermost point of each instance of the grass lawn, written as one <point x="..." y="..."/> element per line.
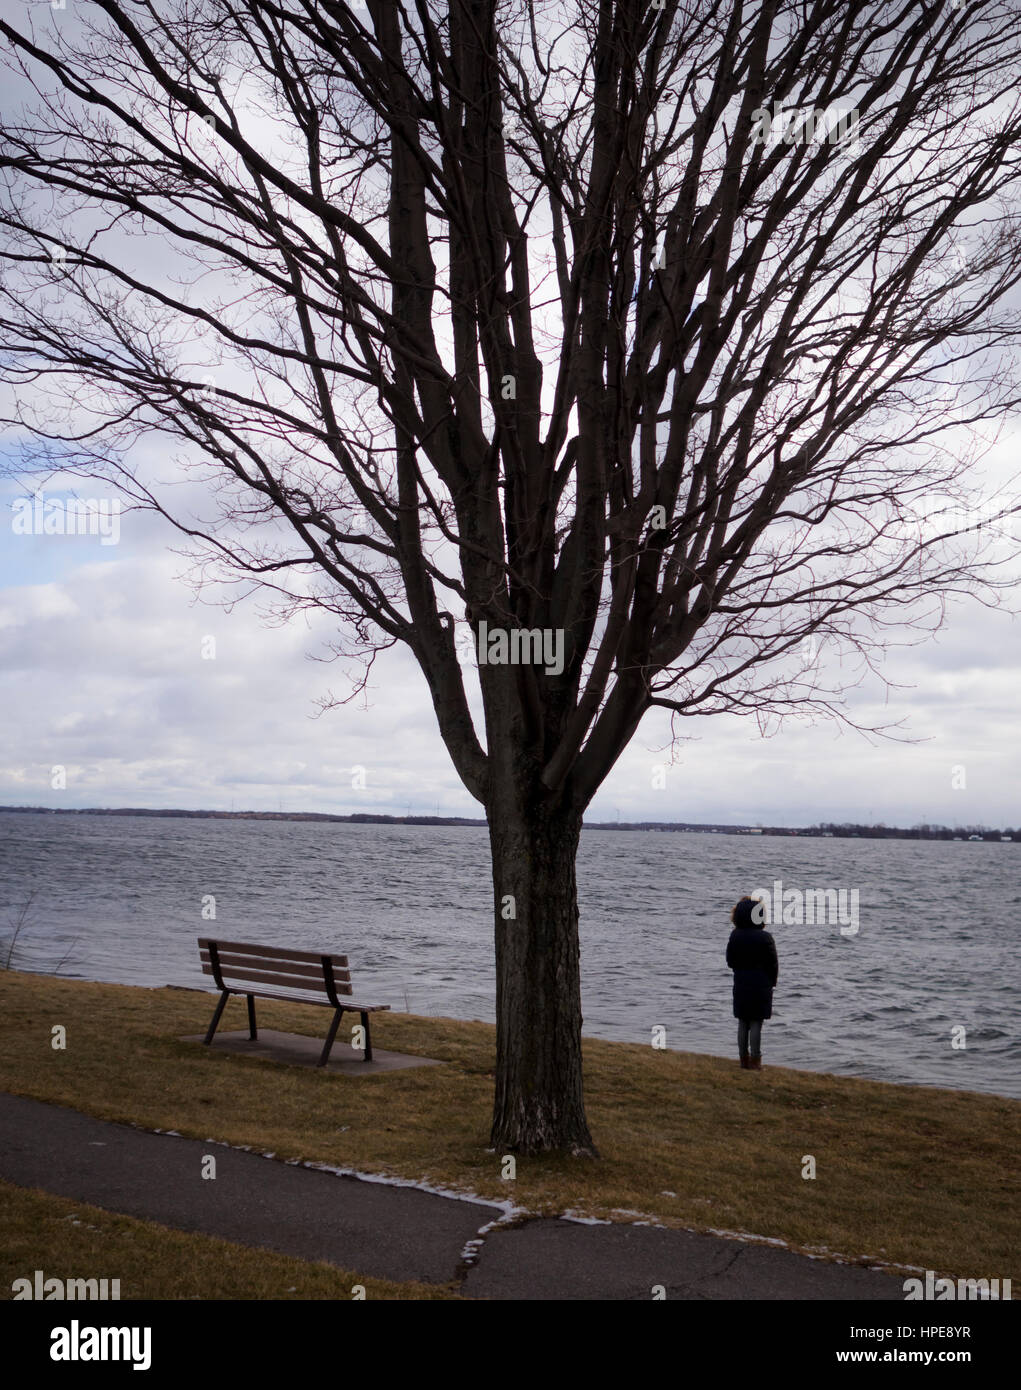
<point x="909" y="1175"/>
<point x="62" y="1238"/>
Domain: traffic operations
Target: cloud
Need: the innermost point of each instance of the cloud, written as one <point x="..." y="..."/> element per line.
<point x="104" y="674"/>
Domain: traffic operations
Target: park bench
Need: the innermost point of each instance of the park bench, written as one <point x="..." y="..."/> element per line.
<point x="240" y="967"/>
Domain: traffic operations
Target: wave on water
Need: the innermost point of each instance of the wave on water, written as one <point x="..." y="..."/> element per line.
<point x="924" y="997"/>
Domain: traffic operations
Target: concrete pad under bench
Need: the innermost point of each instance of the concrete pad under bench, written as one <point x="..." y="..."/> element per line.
<point x="296" y="1050"/>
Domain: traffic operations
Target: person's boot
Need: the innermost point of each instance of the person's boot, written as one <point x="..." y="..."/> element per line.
<point x="745" y="1063"/>
<point x="754" y="1063"/>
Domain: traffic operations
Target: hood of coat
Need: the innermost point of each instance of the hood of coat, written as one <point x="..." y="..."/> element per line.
<point x="744" y="914"/>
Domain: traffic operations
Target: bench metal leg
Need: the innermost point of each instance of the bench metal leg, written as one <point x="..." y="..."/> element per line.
<point x="216" y="1017"/>
<point x="253" y="1032"/>
<point x="368" y="1040"/>
<point x="325" y="1055"/>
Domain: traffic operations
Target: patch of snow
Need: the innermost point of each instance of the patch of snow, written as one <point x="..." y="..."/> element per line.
<point x="510" y="1212"/>
<point x="748" y="1235"/>
<point x="507" y="1209"/>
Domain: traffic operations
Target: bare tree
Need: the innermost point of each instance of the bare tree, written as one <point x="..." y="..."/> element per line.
<point x="622" y="336"/>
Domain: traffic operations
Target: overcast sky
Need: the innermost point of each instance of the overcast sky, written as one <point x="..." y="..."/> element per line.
<point x="103" y="673"/>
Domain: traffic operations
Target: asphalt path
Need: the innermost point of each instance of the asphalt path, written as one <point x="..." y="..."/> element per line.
<point x="396" y="1232"/>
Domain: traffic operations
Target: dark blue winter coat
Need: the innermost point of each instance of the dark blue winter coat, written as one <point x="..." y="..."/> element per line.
<point x="751" y="954"/>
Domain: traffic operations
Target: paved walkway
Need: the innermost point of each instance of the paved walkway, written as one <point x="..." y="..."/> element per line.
<point x="395" y="1232"/>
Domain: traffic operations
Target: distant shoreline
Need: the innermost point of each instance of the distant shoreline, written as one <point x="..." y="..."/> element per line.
<point x="825" y="830"/>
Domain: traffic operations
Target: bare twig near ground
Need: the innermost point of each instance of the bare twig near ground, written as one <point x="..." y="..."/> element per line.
<point x="60" y="964"/>
<point x="521" y="336"/>
<point x="690" y="1141"/>
<point x="17" y="921"/>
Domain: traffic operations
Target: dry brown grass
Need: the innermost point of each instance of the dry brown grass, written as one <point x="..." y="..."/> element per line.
<point x="72" y="1240"/>
<point x="907" y="1174"/>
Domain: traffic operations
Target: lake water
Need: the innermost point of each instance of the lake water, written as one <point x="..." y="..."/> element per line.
<point x="936" y="946"/>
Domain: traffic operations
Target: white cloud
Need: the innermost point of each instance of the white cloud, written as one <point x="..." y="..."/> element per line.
<point x="103" y="673"/>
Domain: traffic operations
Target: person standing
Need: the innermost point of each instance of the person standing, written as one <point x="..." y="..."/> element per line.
<point x="751" y="954"/>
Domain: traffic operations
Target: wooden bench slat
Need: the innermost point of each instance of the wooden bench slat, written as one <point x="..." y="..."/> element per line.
<point x="348" y="1005"/>
<point x="229" y="975"/>
<point x="299" y="969"/>
<point x="246" y="948"/>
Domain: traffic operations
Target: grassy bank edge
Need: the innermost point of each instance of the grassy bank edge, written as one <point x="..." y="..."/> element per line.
<point x="650" y="1110"/>
<point x="67" y="1239"/>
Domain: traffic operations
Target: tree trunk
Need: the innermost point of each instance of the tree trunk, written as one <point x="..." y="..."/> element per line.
<point x="539" y="1104"/>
